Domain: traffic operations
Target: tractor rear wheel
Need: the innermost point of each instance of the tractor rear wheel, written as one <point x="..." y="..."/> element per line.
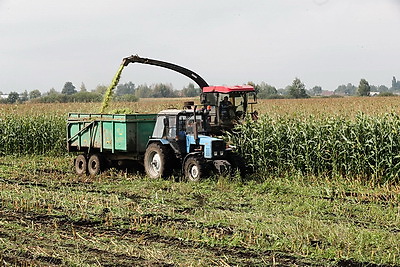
<point x="195" y="169"/>
<point x="81" y="165"/>
<point x="95" y="164"/>
<point x="157" y="161"/>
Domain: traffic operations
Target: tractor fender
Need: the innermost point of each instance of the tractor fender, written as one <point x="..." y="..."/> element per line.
<point x="157" y="140"/>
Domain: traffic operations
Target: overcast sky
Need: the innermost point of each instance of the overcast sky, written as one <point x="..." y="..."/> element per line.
<point x="45" y="43"/>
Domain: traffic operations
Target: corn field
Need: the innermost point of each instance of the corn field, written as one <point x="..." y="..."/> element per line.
<point x="327" y="142"/>
<point x="364" y="147"/>
<point x="39" y="134"/>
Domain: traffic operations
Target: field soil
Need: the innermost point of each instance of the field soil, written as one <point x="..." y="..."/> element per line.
<point x="51" y="217"/>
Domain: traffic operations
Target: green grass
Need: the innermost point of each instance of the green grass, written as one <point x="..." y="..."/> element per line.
<point x="50" y="215"/>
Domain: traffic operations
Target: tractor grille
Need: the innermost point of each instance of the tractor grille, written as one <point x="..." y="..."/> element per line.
<point x="218" y="149"/>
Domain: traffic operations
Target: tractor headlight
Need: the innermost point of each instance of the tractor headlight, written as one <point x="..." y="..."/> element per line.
<point x="215" y="153"/>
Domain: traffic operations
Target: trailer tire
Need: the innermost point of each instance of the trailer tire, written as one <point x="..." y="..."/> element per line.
<point x="95" y="164"/>
<point x="195" y="169"/>
<point x="81" y="165"/>
<point x="158" y="161"/>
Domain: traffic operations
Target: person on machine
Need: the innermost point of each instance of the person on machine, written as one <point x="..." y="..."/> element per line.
<point x="226" y="108"/>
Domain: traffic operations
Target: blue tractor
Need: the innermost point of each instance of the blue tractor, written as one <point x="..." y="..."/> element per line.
<point x="182" y="139"/>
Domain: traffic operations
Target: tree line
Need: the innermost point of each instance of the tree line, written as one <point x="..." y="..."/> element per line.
<point x="131" y="93"/>
<point x="298" y="90"/>
<point x="128" y="92"/>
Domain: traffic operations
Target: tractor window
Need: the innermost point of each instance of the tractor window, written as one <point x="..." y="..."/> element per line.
<point x="239" y="103"/>
<point x="158" y="131"/>
<point x="190" y="124"/>
<point x="182" y="124"/>
<point x="171" y="129"/>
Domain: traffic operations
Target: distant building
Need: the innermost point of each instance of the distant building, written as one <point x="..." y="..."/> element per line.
<point x="3" y="96"/>
<point x="374" y="93"/>
<point x="327" y="93"/>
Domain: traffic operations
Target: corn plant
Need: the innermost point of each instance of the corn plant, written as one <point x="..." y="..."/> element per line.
<point x="40" y="134"/>
<point x="365" y="147"/>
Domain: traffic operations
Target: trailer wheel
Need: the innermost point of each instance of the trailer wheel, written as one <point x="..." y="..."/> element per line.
<point x="157" y="161"/>
<point x="95" y="164"/>
<point x="81" y="165"/>
<point x="195" y="169"/>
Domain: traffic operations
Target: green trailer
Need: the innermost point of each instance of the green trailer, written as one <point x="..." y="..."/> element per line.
<point x="105" y="139"/>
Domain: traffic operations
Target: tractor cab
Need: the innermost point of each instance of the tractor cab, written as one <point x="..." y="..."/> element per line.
<point x="187" y="131"/>
<point x="228" y="105"/>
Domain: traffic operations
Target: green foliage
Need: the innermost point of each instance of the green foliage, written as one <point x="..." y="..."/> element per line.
<point x="298" y="89"/>
<point x="83" y="88"/>
<point x="395" y="85"/>
<point x="126" y="98"/>
<point x="316" y="91"/>
<point x="68" y="89"/>
<point x="50" y="216"/>
<point x="84" y="96"/>
<point x="265" y="91"/>
<point x="191" y="91"/>
<point x="384" y="94"/>
<point x="42" y="134"/>
<point x="34" y="94"/>
<point x="100" y="89"/>
<point x="143" y="91"/>
<point x="108" y="94"/>
<point x="364" y="88"/>
<point x="163" y="90"/>
<point x="81" y="96"/>
<point x="367" y="147"/>
<point x="158" y="90"/>
<point x="348" y="90"/>
<point x="125" y="89"/>
<point x="12" y="98"/>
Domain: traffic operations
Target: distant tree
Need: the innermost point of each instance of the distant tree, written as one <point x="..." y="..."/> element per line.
<point x="143" y="91"/>
<point x="364" y="88"/>
<point x="52" y="91"/>
<point x="68" y="89"/>
<point x="83" y="88"/>
<point x="383" y="89"/>
<point x="163" y="90"/>
<point x="284" y="91"/>
<point x="316" y="90"/>
<point x="348" y="89"/>
<point x="395" y="85"/>
<point x="101" y="89"/>
<point x="191" y="91"/>
<point x="297" y="89"/>
<point x="265" y="90"/>
<point x="125" y="89"/>
<point x="24" y="96"/>
<point x="373" y="88"/>
<point x="34" y="94"/>
<point x="13" y="97"/>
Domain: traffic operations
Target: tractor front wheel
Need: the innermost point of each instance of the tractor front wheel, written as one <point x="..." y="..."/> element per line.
<point x="195" y="169"/>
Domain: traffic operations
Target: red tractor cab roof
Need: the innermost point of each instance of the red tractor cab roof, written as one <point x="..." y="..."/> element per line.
<point x="228" y="89"/>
